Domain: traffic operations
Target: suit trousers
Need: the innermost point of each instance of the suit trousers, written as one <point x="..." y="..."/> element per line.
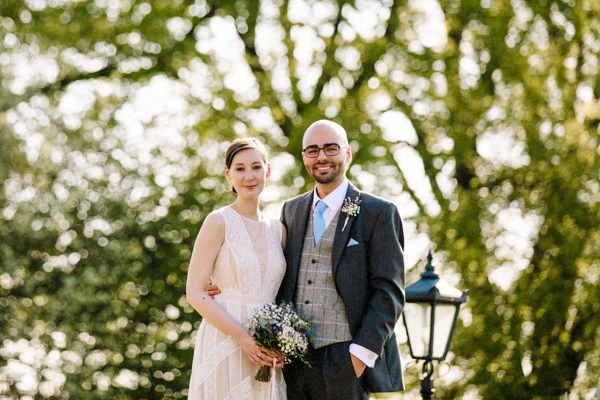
<point x="330" y="376"/>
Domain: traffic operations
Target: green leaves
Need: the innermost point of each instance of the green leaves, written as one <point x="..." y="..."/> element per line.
<point x="113" y="123"/>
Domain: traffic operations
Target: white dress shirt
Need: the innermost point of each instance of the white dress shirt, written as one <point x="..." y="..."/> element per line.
<point x="334" y="201"/>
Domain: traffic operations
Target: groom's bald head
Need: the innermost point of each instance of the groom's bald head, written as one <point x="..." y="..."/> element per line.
<point x="324" y="125"/>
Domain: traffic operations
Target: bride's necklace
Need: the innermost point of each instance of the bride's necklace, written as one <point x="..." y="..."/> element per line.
<point x="251" y="225"/>
<point x="254" y="229"/>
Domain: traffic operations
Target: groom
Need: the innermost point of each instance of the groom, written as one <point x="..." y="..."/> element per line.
<point x="345" y="273"/>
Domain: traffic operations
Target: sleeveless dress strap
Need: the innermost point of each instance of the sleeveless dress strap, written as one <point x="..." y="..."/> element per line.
<point x="277" y="228"/>
<point x="222" y="212"/>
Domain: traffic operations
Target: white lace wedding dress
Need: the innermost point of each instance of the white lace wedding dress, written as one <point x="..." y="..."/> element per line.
<point x="248" y="270"/>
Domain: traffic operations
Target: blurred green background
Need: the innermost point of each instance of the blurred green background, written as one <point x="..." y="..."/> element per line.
<point x="479" y="119"/>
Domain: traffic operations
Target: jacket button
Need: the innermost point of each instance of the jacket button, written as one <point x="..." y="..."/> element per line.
<point x="306" y="301"/>
<point x="309" y="282"/>
<point x="313" y="261"/>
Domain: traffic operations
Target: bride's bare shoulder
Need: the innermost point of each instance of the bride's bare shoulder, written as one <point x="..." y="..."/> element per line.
<point x="214" y="222"/>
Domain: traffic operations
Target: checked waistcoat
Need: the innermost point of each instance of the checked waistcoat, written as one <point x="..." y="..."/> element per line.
<point x="316" y="296"/>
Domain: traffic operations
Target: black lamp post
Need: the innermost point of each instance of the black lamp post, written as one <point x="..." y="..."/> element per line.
<point x="430" y="316"/>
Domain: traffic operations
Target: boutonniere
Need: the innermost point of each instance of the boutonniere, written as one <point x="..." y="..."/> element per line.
<point x="351" y="208"/>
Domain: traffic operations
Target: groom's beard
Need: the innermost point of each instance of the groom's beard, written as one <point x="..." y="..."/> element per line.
<point x="332" y="175"/>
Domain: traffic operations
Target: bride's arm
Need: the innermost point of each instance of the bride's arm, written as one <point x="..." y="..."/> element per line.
<point x="206" y="248"/>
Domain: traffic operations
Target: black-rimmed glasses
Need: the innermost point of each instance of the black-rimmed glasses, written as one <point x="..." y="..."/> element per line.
<point x="330" y="149"/>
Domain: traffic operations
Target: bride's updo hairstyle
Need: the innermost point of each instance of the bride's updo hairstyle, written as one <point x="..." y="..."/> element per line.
<point x="243" y="144"/>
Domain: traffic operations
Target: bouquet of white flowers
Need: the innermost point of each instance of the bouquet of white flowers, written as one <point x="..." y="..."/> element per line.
<point x="280" y="329"/>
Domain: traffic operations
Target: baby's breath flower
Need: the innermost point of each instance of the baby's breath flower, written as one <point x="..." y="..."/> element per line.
<point x="351" y="208"/>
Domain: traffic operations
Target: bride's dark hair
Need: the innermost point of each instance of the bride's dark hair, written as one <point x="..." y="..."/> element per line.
<point x="243" y="144"/>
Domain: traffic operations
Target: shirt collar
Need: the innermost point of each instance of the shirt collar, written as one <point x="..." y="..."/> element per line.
<point x="335" y="199"/>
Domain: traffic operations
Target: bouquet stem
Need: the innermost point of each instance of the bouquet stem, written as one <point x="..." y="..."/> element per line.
<point x="263" y="374"/>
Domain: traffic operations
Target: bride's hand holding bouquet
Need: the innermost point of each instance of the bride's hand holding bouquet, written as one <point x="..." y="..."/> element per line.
<point x="280" y="331"/>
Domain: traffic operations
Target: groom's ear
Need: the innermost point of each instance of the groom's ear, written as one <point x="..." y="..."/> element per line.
<point x="348" y="153"/>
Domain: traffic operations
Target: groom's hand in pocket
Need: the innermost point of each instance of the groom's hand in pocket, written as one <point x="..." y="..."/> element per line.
<point x="359" y="366"/>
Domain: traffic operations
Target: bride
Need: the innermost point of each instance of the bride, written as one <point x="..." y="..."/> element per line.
<point x="242" y="251"/>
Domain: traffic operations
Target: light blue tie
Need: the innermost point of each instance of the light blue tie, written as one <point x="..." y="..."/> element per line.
<point x="319" y="221"/>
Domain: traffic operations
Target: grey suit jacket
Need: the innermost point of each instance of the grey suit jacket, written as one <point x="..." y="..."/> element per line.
<point x="369" y="277"/>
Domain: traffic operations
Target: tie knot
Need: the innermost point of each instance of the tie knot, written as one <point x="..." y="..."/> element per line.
<point x="320" y="207"/>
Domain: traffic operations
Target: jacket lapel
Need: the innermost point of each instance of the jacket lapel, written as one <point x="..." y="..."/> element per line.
<point x="341" y="237"/>
<point x="299" y="230"/>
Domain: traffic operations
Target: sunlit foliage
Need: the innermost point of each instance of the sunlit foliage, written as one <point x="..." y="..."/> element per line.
<point x="479" y="119"/>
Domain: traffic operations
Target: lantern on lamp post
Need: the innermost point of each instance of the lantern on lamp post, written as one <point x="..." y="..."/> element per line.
<point x="430" y="315"/>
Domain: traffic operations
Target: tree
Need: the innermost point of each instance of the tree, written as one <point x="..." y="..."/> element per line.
<point x="478" y="118"/>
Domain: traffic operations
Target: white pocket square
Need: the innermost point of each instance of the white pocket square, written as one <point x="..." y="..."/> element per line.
<point x="352" y="242"/>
